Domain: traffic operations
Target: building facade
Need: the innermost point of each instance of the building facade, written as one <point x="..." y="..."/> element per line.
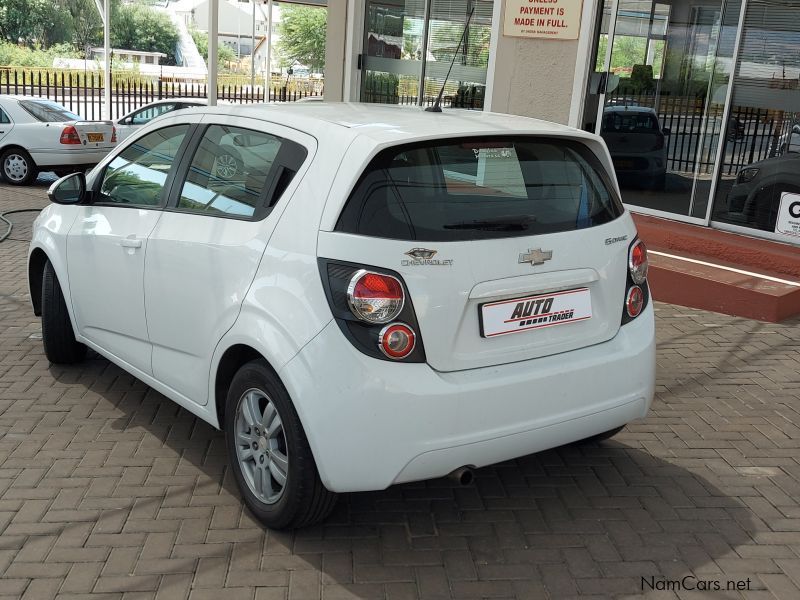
<point x="698" y="100"/>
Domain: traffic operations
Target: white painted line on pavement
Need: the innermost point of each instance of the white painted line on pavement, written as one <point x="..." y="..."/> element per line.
<point x="724" y="268"/>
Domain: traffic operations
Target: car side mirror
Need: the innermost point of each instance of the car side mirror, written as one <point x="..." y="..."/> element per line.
<point x="70" y="189"/>
<point x="666" y="131"/>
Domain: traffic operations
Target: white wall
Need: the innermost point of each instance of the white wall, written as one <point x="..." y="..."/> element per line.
<point x="539" y="78"/>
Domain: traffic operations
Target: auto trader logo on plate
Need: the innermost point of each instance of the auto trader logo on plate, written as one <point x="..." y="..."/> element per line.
<point x="424" y="256"/>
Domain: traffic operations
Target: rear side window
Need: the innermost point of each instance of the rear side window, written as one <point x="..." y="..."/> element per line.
<point x="48" y="112"/>
<point x="239" y="172"/>
<point x="480" y="188"/>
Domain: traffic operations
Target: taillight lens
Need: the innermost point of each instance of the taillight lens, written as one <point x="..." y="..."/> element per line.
<point x="363" y="300"/>
<point x="69" y="135"/>
<point x="634" y="303"/>
<point x="113" y="135"/>
<point x="397" y="340"/>
<point x="375" y="297"/>
<point x="637" y="262"/>
<point x="637" y="292"/>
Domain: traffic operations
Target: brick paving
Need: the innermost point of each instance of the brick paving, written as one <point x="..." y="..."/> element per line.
<point x="109" y="490"/>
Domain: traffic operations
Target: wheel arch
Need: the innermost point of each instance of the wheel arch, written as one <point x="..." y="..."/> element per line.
<point x="17" y="147"/>
<point x="234" y="358"/>
<point x="36" y="262"/>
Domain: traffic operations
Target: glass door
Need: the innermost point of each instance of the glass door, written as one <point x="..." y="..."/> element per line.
<point x="409" y="46"/>
<point x="758" y="181"/>
<point x="654" y="72"/>
<point x="393" y="58"/>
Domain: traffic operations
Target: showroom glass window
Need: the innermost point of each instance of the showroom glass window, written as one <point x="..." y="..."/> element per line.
<point x="760" y="166"/>
<point x="409" y="45"/>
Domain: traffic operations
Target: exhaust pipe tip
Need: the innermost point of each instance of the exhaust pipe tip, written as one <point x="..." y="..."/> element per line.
<point x="463" y="476"/>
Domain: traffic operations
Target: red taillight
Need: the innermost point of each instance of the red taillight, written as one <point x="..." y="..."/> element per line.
<point x="637" y="262"/>
<point x="375" y="297"/>
<point x="113" y="135"/>
<point x="397" y="340"/>
<point x="635" y="301"/>
<point x="70" y="135"/>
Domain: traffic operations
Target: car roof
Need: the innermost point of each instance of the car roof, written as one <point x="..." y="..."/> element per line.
<point x="390" y="123"/>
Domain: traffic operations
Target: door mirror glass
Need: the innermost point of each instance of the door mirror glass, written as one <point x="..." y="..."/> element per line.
<point x="70" y="189"/>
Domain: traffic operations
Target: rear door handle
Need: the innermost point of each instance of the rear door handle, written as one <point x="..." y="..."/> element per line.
<point x="130" y="243"/>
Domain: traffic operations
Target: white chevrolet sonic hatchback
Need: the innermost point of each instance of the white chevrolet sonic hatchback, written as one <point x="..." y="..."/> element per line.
<point x="358" y="295"/>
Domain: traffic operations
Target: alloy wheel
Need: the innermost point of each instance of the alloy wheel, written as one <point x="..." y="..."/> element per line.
<point x="261" y="447"/>
<point x="15" y="167"/>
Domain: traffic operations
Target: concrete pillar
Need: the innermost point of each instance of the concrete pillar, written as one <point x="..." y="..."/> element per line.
<point x="540" y="78"/>
<point x="335" y="51"/>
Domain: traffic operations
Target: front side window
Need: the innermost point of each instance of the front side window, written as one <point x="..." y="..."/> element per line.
<point x="480" y="188"/>
<point x="137" y="175"/>
<point x="234" y="170"/>
<point x="48" y="112"/>
<point x="148" y="114"/>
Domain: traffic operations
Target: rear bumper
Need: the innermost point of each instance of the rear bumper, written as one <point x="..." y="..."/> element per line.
<point x="372" y="423"/>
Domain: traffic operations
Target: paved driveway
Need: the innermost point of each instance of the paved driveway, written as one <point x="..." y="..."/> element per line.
<point x="109" y="490"/>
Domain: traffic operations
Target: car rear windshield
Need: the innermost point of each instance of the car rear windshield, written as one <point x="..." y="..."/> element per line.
<point x="48" y="112"/>
<point x="630" y="122"/>
<point x="480" y="188"/>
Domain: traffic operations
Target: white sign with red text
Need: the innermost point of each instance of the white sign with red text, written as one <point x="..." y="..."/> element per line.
<point x="552" y="19"/>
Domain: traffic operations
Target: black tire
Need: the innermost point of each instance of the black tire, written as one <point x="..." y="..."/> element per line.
<point x="304" y="500"/>
<point x="21" y="171"/>
<point x="58" y="336"/>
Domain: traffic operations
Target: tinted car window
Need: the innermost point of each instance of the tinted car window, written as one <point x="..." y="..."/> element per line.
<point x="631" y="122"/>
<point x="234" y="170"/>
<point x="137" y="175"/>
<point x="4" y="117"/>
<point x="48" y="112"/>
<point x="478" y="189"/>
<point x="148" y="114"/>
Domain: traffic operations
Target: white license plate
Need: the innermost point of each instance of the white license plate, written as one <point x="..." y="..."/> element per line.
<point x="535" y="312"/>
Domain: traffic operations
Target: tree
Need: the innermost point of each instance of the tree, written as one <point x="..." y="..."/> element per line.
<point x="225" y="55"/>
<point x="302" y="30"/>
<point x="87" y="25"/>
<point x="40" y="20"/>
<point x="139" y="27"/>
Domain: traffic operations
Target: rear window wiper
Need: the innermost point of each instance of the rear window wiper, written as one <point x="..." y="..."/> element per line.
<point x="518" y="224"/>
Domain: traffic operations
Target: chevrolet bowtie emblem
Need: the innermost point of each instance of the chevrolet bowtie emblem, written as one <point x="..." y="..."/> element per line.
<point x="536" y="257"/>
<point x="421" y="253"/>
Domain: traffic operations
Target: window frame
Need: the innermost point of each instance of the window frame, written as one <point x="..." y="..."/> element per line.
<point x="261" y="210"/>
<point x="168" y="183"/>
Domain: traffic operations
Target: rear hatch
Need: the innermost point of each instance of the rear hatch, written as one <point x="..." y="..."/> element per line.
<point x="511" y="247"/>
